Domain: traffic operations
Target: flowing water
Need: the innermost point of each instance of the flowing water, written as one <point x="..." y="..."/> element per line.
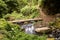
<point x="29" y="28"/>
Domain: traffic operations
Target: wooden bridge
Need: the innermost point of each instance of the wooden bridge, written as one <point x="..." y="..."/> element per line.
<point x="27" y="20"/>
<point x="20" y="22"/>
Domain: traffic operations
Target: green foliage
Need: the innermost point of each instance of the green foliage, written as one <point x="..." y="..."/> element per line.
<point x="8" y="6"/>
<point x="23" y="8"/>
<point x="3" y="8"/>
<point x="24" y="14"/>
<point x="29" y="10"/>
<point x="57" y="23"/>
<point x="13" y="16"/>
<point x="2" y="23"/>
<point x="14" y="10"/>
<point x="13" y="32"/>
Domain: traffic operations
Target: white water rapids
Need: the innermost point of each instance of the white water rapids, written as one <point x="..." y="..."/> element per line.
<point x="29" y="28"/>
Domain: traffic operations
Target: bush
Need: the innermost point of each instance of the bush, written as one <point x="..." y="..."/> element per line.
<point x="30" y="11"/>
<point x="24" y="14"/>
<point x="11" y="31"/>
<point x="8" y="6"/>
<point x="13" y="16"/>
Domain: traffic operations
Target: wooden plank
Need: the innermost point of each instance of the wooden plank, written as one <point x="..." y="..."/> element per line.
<point x="27" y="20"/>
<point x="50" y="38"/>
<point x="42" y="29"/>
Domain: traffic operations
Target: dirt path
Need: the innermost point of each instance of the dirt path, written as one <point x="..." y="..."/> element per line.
<point x="46" y="18"/>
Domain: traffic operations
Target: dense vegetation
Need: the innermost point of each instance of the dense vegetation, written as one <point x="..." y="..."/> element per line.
<point x="9" y="31"/>
<point x="24" y="9"/>
<point x="14" y="10"/>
